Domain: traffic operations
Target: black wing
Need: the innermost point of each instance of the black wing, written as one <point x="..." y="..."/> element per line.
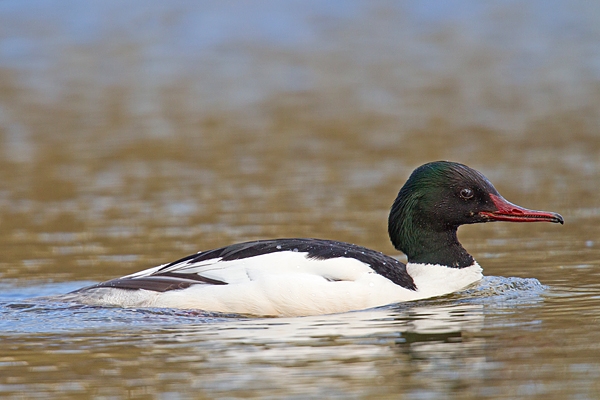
<point x="183" y="273"/>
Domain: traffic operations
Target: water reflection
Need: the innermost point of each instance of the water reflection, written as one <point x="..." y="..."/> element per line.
<point x="343" y="351"/>
<point x="310" y="356"/>
<point x="429" y="346"/>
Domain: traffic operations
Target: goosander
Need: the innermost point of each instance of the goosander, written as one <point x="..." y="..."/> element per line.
<point x="299" y="277"/>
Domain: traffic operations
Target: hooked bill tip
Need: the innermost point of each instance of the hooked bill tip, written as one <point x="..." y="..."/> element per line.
<point x="507" y="211"/>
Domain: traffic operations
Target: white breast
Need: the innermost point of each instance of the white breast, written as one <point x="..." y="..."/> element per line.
<point x="436" y="280"/>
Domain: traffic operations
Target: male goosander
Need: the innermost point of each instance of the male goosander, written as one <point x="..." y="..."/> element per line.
<point x="296" y="277"/>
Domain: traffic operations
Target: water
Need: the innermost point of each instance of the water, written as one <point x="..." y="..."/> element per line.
<point x="348" y="354"/>
<point x="133" y="137"/>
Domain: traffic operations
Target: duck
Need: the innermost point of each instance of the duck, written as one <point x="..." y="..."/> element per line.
<point x="293" y="277"/>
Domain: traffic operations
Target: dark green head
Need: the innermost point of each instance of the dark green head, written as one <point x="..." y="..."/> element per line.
<point x="439" y="197"/>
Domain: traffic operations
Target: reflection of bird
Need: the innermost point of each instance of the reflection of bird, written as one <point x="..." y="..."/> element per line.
<point x="293" y="277"/>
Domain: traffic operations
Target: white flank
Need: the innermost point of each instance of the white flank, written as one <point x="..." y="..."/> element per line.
<point x="286" y="283"/>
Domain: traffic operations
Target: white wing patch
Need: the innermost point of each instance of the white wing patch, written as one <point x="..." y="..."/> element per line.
<point x="254" y="268"/>
<point x="146" y="272"/>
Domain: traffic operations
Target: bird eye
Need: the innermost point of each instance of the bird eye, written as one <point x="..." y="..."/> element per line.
<point x="466" y="193"/>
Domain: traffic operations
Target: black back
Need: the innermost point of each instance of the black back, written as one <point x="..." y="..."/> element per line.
<point x="166" y="279"/>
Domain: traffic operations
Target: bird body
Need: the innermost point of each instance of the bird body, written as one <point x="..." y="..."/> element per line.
<point x="296" y="277"/>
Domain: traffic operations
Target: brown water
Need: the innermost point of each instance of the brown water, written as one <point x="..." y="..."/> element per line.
<point x="133" y="136"/>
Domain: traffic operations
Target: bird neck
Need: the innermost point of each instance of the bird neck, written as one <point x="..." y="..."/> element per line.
<point x="426" y="241"/>
<point x="443" y="248"/>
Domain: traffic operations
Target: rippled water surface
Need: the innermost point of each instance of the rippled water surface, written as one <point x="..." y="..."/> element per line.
<point x="389" y="350"/>
<point x="133" y="136"/>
